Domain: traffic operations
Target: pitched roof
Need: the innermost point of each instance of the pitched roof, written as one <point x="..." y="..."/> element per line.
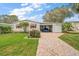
<point x="32" y="21"/>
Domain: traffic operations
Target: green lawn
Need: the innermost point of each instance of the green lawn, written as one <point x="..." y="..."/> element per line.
<point x="14" y="44"/>
<point x="71" y="39"/>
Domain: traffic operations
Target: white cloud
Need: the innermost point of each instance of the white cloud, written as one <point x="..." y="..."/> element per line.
<point x="22" y="17"/>
<point x="33" y="5"/>
<point x="36" y="18"/>
<point x="40" y="9"/>
<point x="36" y="5"/>
<point x="33" y="17"/>
<point x="73" y="18"/>
<point x="20" y="12"/>
<point x="24" y="4"/>
<point x="24" y="10"/>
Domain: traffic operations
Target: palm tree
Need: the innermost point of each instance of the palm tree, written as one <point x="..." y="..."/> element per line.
<point x="24" y="25"/>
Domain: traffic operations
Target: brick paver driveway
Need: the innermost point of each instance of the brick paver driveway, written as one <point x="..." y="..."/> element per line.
<point x="51" y="45"/>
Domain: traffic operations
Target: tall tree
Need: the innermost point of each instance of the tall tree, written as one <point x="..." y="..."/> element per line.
<point x="13" y="18"/>
<point x="24" y="25"/>
<point x="75" y="7"/>
<point x="57" y="15"/>
<point x="8" y="18"/>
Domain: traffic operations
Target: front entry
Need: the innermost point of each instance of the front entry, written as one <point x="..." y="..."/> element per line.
<point x="46" y="28"/>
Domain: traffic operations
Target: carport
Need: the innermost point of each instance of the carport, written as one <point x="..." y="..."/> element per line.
<point x="46" y="28"/>
<point x="52" y="27"/>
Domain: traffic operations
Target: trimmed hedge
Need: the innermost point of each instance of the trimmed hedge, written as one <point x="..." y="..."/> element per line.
<point x="34" y="34"/>
<point x="72" y="32"/>
<point x="5" y="28"/>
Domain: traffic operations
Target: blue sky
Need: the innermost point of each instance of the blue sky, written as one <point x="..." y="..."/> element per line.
<point x="30" y="11"/>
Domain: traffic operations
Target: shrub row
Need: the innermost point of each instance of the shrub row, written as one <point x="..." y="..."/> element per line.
<point x="5" y="28"/>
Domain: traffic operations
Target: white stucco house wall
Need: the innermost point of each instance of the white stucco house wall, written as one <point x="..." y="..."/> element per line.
<point x="16" y="28"/>
<point x="42" y="27"/>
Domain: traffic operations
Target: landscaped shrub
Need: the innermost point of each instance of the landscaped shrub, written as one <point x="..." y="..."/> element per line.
<point x="67" y="27"/>
<point x="5" y="28"/>
<point x="34" y="34"/>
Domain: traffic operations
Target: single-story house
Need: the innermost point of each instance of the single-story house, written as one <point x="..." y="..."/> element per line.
<point x="42" y="27"/>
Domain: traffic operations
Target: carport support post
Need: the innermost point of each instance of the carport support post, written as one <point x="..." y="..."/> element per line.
<point x="0" y="31"/>
<point x="52" y="27"/>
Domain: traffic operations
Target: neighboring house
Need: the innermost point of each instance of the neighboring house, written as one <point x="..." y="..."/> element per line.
<point x="75" y="25"/>
<point x="74" y="20"/>
<point x="42" y="27"/>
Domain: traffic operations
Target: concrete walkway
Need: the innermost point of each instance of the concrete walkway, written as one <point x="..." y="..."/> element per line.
<point x="51" y="45"/>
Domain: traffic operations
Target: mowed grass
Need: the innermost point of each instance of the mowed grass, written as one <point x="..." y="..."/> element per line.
<point x="71" y="39"/>
<point x="14" y="44"/>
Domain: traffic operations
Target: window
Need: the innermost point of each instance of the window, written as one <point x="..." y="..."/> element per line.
<point x="33" y="26"/>
<point x="18" y="26"/>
